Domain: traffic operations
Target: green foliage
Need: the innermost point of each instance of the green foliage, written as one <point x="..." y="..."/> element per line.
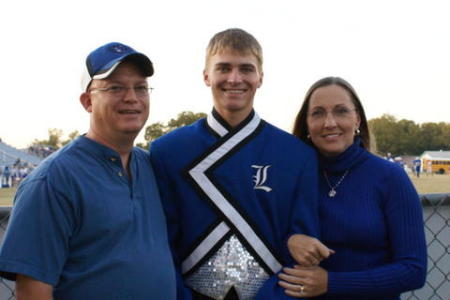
<point x="184" y="118"/>
<point x="152" y="132"/>
<point x="73" y="135"/>
<point x="54" y="139"/>
<point x="155" y="130"/>
<point x="405" y="137"/>
<point x="388" y="135"/>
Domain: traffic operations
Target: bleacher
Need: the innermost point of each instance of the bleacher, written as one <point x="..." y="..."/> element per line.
<point x="9" y="155"/>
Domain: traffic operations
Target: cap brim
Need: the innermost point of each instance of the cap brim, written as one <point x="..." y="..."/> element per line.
<point x="142" y="61"/>
<point x="139" y="59"/>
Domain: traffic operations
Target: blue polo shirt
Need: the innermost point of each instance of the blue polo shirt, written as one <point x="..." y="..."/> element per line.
<point x="80" y="224"/>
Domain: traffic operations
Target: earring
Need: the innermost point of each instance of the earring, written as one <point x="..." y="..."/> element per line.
<point x="357" y="131"/>
<point x="308" y="136"/>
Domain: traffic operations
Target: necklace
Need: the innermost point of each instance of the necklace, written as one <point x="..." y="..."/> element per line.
<point x="332" y="191"/>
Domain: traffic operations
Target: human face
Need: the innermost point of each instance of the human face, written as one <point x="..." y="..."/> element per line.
<point x="115" y="116"/>
<point x="233" y="78"/>
<point x="332" y="119"/>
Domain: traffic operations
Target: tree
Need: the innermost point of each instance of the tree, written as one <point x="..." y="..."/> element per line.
<point x="385" y="133"/>
<point x="405" y="137"/>
<point x="73" y="135"/>
<point x="445" y="136"/>
<point x="53" y="141"/>
<point x="183" y="119"/>
<point x="430" y="136"/>
<point x="409" y="133"/>
<point x="155" y="130"/>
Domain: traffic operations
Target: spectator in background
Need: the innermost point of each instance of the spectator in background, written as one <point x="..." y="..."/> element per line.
<point x="17" y="163"/>
<point x="429" y="167"/>
<point x="389" y="157"/>
<point x="6" y="177"/>
<point x="15" y="177"/>
<point x="416" y="166"/>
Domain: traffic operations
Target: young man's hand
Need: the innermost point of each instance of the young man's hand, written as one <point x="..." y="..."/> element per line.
<point x="307" y="251"/>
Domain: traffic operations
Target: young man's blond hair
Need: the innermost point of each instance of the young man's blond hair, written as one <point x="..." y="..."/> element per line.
<point x="237" y="40"/>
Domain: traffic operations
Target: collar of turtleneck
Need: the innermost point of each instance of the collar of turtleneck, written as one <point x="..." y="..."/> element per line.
<point x="352" y="156"/>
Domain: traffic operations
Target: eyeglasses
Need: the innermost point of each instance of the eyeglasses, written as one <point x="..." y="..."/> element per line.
<point x="338" y="113"/>
<point x="141" y="91"/>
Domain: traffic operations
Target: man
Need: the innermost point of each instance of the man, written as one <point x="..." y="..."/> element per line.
<point x="88" y="222"/>
<point x="234" y="188"/>
<point x="416" y="166"/>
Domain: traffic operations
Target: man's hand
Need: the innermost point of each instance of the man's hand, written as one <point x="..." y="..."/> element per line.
<point x="28" y="288"/>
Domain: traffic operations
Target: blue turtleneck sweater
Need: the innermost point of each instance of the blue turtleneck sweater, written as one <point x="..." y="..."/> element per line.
<point x="375" y="225"/>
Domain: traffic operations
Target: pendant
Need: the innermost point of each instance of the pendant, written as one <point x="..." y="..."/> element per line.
<point x="332" y="193"/>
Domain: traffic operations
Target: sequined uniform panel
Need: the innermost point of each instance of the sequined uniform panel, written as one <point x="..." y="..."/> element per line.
<point x="232" y="265"/>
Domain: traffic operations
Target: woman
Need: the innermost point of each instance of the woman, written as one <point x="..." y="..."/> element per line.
<point x="370" y="212"/>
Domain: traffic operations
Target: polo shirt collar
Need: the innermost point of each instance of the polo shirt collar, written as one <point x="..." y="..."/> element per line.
<point x="98" y="149"/>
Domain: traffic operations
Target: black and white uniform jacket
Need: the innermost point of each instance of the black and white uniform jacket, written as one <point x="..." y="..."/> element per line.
<point x="232" y="198"/>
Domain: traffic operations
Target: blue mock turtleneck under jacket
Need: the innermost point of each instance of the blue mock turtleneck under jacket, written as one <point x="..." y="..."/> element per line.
<point x="375" y="225"/>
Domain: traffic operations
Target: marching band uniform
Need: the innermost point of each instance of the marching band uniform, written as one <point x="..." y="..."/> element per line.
<point x="233" y="197"/>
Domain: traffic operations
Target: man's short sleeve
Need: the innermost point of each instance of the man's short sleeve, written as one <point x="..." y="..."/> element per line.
<point x="37" y="238"/>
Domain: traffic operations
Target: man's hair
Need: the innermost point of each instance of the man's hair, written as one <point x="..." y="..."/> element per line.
<point x="237" y="40"/>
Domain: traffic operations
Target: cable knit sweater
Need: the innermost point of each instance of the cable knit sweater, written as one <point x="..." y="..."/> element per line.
<point x="375" y="225"/>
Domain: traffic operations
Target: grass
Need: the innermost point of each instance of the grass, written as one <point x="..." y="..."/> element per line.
<point x="425" y="185"/>
<point x="7" y="196"/>
<point x="430" y="184"/>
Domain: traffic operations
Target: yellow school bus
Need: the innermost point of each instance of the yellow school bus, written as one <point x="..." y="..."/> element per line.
<point x="436" y="162"/>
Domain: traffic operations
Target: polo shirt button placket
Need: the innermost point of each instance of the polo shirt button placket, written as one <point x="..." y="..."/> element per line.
<point x="114" y="159"/>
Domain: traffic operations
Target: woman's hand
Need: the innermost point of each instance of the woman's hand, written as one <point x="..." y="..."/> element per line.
<point x="304" y="282"/>
<point x="307" y="251"/>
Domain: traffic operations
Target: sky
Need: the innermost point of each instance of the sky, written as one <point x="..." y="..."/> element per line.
<point x="396" y="53"/>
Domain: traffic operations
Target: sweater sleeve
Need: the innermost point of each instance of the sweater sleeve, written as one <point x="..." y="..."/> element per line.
<point x="407" y="269"/>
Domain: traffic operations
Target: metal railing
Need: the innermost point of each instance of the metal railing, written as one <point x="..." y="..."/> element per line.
<point x="436" y="208"/>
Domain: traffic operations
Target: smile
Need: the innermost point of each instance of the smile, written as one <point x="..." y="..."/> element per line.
<point x="331" y="135"/>
<point x="129" y="112"/>
<point x="234" y="91"/>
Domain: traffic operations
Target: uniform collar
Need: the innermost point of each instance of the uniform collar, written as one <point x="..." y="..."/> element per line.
<point x="220" y="127"/>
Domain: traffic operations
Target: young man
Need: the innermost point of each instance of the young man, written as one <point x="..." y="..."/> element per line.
<point x="88" y="222"/>
<point x="234" y="188"/>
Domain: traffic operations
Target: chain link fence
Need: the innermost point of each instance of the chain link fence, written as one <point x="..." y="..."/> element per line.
<point x="436" y="208"/>
<point x="6" y="286"/>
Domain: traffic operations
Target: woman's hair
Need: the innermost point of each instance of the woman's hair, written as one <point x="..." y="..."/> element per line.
<point x="300" y="125"/>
